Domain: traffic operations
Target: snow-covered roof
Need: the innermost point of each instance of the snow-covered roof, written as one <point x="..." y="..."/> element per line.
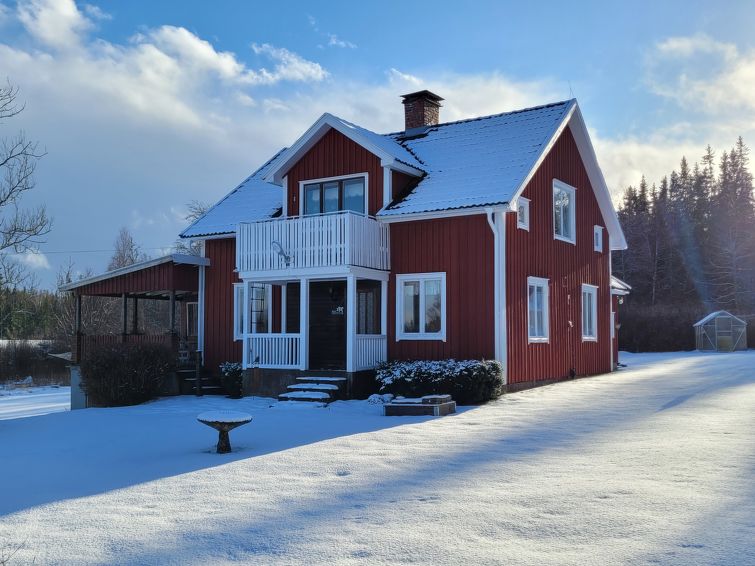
<point x="479" y="162"/>
<point x="254" y="199"/>
<point x="619" y="287"/>
<point x="467" y="164"/>
<point x="178" y="259"/>
<point x="388" y="149"/>
<point x="717" y="314"/>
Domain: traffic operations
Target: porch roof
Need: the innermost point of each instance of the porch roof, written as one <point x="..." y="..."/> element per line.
<point x="155" y="279"/>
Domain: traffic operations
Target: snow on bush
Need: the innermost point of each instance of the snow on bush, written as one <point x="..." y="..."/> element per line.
<point x="378" y="399"/>
<point x="115" y="375"/>
<point x="467" y="381"/>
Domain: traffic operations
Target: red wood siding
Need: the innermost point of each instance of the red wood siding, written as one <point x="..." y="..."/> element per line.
<point x="335" y="155"/>
<point x="462" y="247"/>
<point x="163" y="277"/>
<point x="219" y="345"/>
<point x="567" y="266"/>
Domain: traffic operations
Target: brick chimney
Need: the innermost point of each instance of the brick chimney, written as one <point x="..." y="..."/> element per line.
<point x="421" y="109"/>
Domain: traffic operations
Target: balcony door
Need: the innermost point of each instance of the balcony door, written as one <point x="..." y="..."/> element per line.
<point x="327" y="325"/>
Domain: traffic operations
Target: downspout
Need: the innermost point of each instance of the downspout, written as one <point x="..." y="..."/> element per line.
<point x="498" y="226"/>
<point x="201" y="304"/>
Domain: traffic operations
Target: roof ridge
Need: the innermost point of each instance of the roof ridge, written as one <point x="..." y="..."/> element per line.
<point x="477" y="118"/>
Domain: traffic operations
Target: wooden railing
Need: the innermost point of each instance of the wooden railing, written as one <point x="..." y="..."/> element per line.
<point x="323" y="240"/>
<point x="272" y="351"/>
<point x="85" y="343"/>
<point x="371" y="349"/>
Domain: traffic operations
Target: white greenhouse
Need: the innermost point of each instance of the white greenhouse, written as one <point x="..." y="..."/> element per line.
<point x="721" y="331"/>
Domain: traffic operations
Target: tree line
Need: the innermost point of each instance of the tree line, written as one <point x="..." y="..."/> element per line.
<point x="691" y="250"/>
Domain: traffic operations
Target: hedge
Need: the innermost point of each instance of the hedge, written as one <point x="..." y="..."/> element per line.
<point x="469" y="382"/>
<point x="114" y="375"/>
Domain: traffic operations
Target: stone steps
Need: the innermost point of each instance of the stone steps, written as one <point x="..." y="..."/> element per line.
<point x="318" y="389"/>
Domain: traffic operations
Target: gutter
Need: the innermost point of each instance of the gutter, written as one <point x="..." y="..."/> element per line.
<point x="496" y="218"/>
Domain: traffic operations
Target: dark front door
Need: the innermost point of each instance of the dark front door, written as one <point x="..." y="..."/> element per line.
<point x="327" y="325"/>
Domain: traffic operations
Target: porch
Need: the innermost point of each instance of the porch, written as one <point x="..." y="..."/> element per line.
<point x="152" y="302"/>
<point x="314" y="292"/>
<point x="336" y="325"/>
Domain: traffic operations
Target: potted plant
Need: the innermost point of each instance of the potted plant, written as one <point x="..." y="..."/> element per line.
<point x="232" y="379"/>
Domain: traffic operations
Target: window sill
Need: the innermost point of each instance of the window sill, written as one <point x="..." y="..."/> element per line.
<point x="572" y="241"/>
<point x="418" y="336"/>
<point x="532" y="340"/>
<point x="589" y="339"/>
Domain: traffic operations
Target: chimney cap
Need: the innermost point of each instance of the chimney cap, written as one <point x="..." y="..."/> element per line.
<point x="425" y="94"/>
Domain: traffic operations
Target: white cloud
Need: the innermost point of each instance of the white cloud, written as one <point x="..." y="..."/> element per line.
<point x="34" y="260"/>
<point x="96" y="13"/>
<point x="56" y="23"/>
<point x="335" y="41"/>
<point x="289" y="66"/>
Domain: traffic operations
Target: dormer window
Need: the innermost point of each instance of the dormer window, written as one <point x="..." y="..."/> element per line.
<point x="334" y="195"/>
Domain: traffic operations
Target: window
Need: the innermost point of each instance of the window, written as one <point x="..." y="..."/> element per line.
<point x="563" y="212"/>
<point x="368" y="307"/>
<point x="421" y="306"/>
<point x="238" y="311"/>
<point x="258" y="307"/>
<point x="598" y="238"/>
<point x="192" y="319"/>
<point x="333" y="196"/>
<point x="589" y="312"/>
<point x="537" y="309"/>
<point x="523" y="213"/>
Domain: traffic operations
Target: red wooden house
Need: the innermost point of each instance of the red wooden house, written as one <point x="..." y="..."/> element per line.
<point x="484" y="238"/>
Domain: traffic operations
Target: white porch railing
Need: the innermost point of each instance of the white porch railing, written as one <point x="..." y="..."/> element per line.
<point x="272" y="351"/>
<point x="323" y="240"/>
<point x="371" y="349"/>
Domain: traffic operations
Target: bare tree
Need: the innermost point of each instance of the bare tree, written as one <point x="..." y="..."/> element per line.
<point x="21" y="228"/>
<point x="195" y="210"/>
<point x="127" y="251"/>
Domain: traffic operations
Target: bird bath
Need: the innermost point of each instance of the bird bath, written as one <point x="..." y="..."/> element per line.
<point x="223" y="422"/>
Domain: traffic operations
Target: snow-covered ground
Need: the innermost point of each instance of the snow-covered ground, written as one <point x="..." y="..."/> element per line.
<point x="33" y="401"/>
<point x="652" y="464"/>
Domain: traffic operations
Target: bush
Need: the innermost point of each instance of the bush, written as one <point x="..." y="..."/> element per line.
<point x="114" y="375"/>
<point x="232" y="379"/>
<point x="469" y="382"/>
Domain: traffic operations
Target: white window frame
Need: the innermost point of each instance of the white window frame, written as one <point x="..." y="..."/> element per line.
<point x="239" y="304"/>
<point x="366" y="177"/>
<point x="525" y="204"/>
<point x="421" y="335"/>
<point x="597" y="238"/>
<point x="545" y="284"/>
<point x="560" y="185"/>
<point x="250" y="325"/>
<point x="592" y="292"/>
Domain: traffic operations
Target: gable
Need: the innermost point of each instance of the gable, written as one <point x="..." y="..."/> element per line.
<point x="335" y="155"/>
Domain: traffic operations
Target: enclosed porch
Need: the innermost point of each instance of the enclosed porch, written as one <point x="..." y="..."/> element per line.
<point x="335" y="323"/>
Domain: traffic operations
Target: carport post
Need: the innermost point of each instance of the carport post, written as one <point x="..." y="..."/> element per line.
<point x="172" y="312"/>
<point x="124" y="313"/>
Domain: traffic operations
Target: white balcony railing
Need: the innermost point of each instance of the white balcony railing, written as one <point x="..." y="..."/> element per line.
<point x="371" y="349"/>
<point x="272" y="351"/>
<point x="324" y="240"/>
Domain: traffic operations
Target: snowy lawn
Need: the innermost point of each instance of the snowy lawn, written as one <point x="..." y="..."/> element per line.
<point x="33" y="401"/>
<point x="653" y="464"/>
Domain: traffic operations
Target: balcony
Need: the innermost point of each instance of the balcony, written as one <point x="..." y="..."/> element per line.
<point x="312" y="243"/>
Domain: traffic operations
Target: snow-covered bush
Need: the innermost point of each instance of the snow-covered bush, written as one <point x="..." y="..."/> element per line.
<point x="467" y="381"/>
<point x="232" y="379"/>
<point x="115" y="375"/>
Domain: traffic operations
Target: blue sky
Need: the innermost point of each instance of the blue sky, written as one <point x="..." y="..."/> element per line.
<point x="145" y="106"/>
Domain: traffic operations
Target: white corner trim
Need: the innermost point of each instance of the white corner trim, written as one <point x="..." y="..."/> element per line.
<point x="387" y="185"/>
